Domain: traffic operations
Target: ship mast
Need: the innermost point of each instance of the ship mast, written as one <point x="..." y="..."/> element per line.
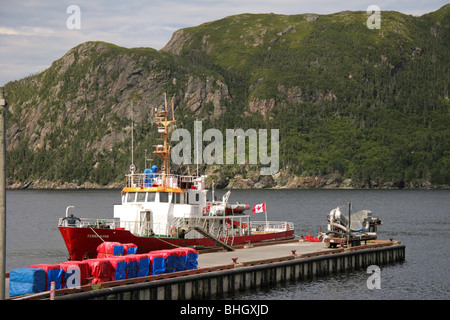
<point x="163" y="150"/>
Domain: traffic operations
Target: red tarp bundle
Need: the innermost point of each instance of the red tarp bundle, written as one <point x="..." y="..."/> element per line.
<point x="109" y="249"/>
<point x="191" y="258"/>
<point x="132" y="266"/>
<point x="100" y="270"/>
<point x="84" y="272"/>
<point x="171" y="259"/>
<point x="143" y="264"/>
<point x="118" y="265"/>
<point x="157" y="263"/>
<point x="181" y="260"/>
<point x="129" y="248"/>
<point x="54" y="274"/>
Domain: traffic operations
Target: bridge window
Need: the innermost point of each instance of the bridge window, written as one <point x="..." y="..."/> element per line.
<point x="131" y="197"/>
<point x="151" y="197"/>
<point x="163" y="197"/>
<point x="178" y="198"/>
<point x="140" y="197"/>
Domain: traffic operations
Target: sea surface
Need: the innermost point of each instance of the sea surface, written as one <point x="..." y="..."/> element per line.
<point x="420" y="219"/>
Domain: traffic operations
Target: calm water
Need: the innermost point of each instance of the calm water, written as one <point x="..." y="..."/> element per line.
<point x="420" y="219"/>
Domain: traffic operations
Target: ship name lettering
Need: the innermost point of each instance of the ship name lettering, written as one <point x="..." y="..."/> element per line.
<point x="96" y="236"/>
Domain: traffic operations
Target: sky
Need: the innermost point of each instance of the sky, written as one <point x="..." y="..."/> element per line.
<point x="34" y="33"/>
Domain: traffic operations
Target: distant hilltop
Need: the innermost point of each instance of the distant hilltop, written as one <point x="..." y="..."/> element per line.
<point x="355" y="107"/>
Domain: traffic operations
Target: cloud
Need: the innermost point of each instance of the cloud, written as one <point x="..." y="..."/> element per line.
<point x="27" y="31"/>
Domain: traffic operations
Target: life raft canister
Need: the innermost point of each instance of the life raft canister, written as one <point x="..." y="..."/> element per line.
<point x="205" y="210"/>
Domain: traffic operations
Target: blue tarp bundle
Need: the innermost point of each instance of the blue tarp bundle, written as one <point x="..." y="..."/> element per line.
<point x="192" y="262"/>
<point x="187" y="258"/>
<point x="26" y="281"/>
<point x="171" y="259"/>
<point x="157" y="263"/>
<point x="119" y="265"/>
<point x="181" y="263"/>
<point x="54" y="274"/>
<point x="181" y="260"/>
<point x="171" y="262"/>
<point x="108" y="249"/>
<point x="132" y="266"/>
<point x="118" y="251"/>
<point x="143" y="265"/>
<point x="129" y="248"/>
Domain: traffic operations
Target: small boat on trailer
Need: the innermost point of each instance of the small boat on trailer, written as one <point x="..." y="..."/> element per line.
<point x="160" y="210"/>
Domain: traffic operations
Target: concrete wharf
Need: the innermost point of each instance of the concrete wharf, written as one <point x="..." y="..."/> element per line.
<point x="223" y="273"/>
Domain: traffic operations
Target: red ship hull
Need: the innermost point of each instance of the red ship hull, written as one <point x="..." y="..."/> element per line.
<point x="82" y="243"/>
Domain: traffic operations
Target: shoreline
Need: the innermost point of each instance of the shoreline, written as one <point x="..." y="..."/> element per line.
<point x="31" y="185"/>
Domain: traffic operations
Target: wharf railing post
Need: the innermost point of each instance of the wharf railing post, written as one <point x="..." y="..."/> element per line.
<point x="3" y="104"/>
<point x="349" y="222"/>
<point x="52" y="290"/>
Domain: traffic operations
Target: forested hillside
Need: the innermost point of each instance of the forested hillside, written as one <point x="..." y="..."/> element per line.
<point x="356" y="107"/>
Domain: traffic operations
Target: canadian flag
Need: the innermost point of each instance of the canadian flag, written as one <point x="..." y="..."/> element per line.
<point x="259" y="208"/>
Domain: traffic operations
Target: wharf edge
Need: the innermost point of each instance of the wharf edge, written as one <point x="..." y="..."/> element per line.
<point x="214" y="282"/>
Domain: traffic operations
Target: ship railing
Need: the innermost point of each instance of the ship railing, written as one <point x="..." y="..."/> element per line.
<point x="159" y="179"/>
<point x="217" y="226"/>
<point x="148" y="228"/>
<point x="139" y="228"/>
<point x="226" y="228"/>
<point x="90" y="223"/>
<point x="271" y="226"/>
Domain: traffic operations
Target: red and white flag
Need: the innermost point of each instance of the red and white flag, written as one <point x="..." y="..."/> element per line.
<point x="259" y="208"/>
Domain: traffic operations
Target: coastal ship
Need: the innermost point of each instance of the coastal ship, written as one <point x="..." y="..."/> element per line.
<point x="160" y="210"/>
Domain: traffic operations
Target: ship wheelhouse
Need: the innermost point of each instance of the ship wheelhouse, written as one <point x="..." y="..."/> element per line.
<point x="154" y="204"/>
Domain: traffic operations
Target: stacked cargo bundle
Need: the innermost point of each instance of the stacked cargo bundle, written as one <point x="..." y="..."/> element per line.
<point x="70" y="277"/>
<point x="114" y="262"/>
<point x="54" y="273"/>
<point x="100" y="270"/>
<point x="26" y="281"/>
<point x="118" y="265"/>
<point x="110" y="249"/>
<point x="170" y="259"/>
<point x="181" y="259"/>
<point x="132" y="266"/>
<point x="157" y="263"/>
<point x="191" y="259"/>
<point x="129" y="248"/>
<point x="143" y="264"/>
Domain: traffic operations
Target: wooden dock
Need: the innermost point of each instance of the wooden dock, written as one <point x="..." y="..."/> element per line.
<point x="224" y="273"/>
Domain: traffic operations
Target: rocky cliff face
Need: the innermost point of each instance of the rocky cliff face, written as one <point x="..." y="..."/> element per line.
<point x="86" y="100"/>
<point x="355" y="107"/>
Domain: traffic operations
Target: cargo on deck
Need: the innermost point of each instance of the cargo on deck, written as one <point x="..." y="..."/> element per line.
<point x="100" y="270"/>
<point x="26" y="281"/>
<point x="110" y="249"/>
<point x="68" y="269"/>
<point x="118" y="265"/>
<point x="54" y="274"/>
